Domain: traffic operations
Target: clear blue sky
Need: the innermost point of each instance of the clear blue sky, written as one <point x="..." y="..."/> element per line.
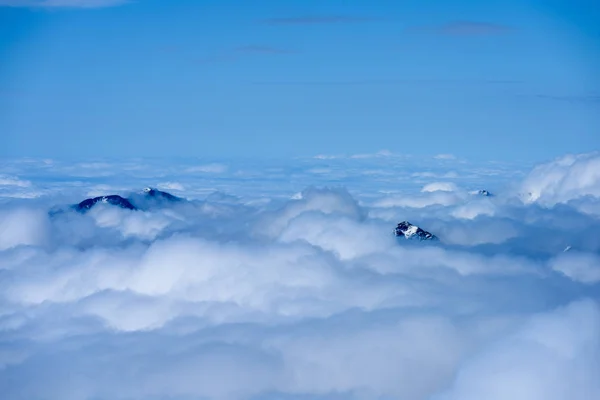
<point x="508" y="80"/>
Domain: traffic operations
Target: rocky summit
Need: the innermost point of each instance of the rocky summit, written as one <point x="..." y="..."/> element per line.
<point x="112" y="199"/>
<point x="409" y="231"/>
<point x="155" y="193"/>
<point x="148" y="198"/>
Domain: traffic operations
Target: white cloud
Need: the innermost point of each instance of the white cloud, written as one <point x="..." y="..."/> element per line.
<point x="347" y="238"/>
<point x="137" y="224"/>
<point x="13" y="187"/>
<point x="552" y="357"/>
<point x="22" y="226"/>
<point x="474" y="209"/>
<point x="325" y="200"/>
<point x="13" y="181"/>
<point x="567" y="178"/>
<point x="171" y="186"/>
<point x="425" y="199"/>
<point x="252" y="292"/>
<point x="440" y="187"/>
<point x="326" y="157"/>
<point x="320" y="171"/>
<point x="445" y="157"/>
<point x="444" y="175"/>
<point x="582" y="267"/>
<point x="214" y="168"/>
<point x="379" y="154"/>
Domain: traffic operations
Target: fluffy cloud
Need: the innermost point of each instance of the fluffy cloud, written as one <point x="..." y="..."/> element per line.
<point x="475" y="208"/>
<point x="440" y="187"/>
<point x="22" y="226"/>
<point x="567" y="178"/>
<point x="581" y="267"/>
<point x="12" y="181"/>
<point x="428" y="198"/>
<point x="553" y="356"/>
<point x="247" y="291"/>
<point x="171" y="186"/>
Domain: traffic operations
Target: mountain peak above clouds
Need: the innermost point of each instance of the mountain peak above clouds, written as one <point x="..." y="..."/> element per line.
<point x="409" y="231"/>
<point x="112" y="199"/>
<point x="482" y="192"/>
<point x="155" y="193"/>
<point x="137" y="201"/>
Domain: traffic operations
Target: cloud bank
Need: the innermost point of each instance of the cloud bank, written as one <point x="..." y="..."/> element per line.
<point x="567" y="178"/>
<point x="271" y="281"/>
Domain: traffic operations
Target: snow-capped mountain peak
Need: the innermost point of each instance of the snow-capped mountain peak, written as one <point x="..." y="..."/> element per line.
<point x="151" y="192"/>
<point x="112" y="199"/>
<point x="409" y="231"/>
<point x="137" y="201"/>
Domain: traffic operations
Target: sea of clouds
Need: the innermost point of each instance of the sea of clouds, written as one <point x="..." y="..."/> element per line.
<point x="283" y="280"/>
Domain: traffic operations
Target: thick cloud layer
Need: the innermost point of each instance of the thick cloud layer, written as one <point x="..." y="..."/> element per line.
<point x="285" y="282"/>
<point x="567" y="178"/>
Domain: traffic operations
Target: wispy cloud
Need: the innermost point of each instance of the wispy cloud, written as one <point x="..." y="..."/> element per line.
<point x="62" y="3"/>
<point x="372" y="82"/>
<point x="319" y="19"/>
<point x="473" y="28"/>
<point x="445" y="157"/>
<point x="300" y="293"/>
<point x="259" y="49"/>
<point x="237" y="53"/>
<point x="465" y="28"/>
<point x="590" y="98"/>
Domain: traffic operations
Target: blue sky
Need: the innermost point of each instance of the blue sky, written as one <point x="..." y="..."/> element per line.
<point x="507" y="80"/>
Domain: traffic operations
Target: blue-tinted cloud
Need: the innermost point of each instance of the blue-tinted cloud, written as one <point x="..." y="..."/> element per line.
<point x="320" y="19"/>
<point x="257" y="287"/>
<point x="466" y="28"/>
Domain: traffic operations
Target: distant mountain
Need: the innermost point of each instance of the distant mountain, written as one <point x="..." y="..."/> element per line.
<point x="482" y="192"/>
<point x="139" y="201"/>
<point x="409" y="231"/>
<point x="155" y="193"/>
<point x="112" y="199"/>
